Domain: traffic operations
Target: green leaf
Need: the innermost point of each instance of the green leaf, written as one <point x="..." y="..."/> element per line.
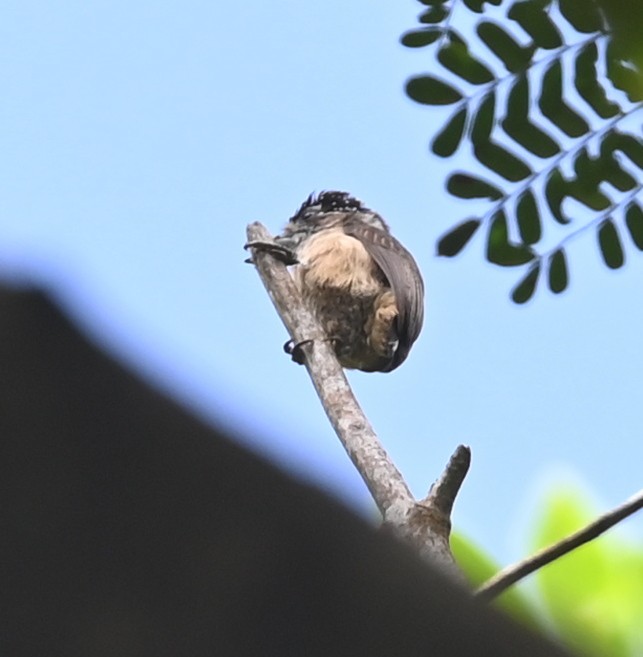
<point x="555" y="192"/>
<point x="428" y="90"/>
<point x="554" y="107"/>
<point x="621" y="74"/>
<point x="558" y="277"/>
<point x="629" y="145"/>
<point x="500" y="250"/>
<point x="588" y="194"/>
<point x="518" y="126"/>
<point x="478" y="567"/>
<point x="614" y="174"/>
<point x="476" y="564"/>
<point x="528" y="218"/>
<point x="455" y="240"/>
<point x="594" y="595"/>
<point x="583" y="15"/>
<point x="478" y="5"/>
<point x="446" y="142"/>
<point x="436" y="14"/>
<point x="464" y="185"/>
<point x="483" y="121"/>
<point x="611" y="167"/>
<point x="501" y="161"/>
<point x="421" y="38"/>
<point x="527" y="286"/>
<point x="456" y="58"/>
<point x="502" y="45"/>
<point x="533" y="18"/>
<point x="590" y="172"/>
<point x="610" y="245"/>
<point x="634" y="222"/>
<point x="586" y="81"/>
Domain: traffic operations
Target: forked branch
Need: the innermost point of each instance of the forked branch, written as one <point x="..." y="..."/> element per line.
<point x="426" y="524"/>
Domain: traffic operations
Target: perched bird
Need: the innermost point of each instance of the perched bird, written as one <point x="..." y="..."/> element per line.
<point x="364" y="287"/>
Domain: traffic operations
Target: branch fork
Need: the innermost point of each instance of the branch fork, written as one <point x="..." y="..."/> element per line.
<point x="426" y="523"/>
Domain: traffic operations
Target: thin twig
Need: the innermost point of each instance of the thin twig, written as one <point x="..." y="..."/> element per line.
<point x="512" y="574"/>
<point x="435" y="509"/>
<point x="444" y="491"/>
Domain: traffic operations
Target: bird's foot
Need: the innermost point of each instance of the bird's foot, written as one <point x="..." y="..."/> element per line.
<point x="278" y="251"/>
<point x="296" y="352"/>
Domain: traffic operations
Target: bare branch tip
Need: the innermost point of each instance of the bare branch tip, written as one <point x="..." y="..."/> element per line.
<point x="445" y="490"/>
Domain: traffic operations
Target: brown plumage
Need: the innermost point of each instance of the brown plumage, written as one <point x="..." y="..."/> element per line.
<point x="363" y="285"/>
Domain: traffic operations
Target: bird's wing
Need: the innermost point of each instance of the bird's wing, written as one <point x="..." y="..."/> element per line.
<point x="403" y="275"/>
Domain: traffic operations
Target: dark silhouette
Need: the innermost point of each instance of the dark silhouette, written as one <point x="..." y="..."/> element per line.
<point x="129" y="528"/>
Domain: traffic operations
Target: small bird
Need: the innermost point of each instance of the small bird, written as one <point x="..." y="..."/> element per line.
<point x="363" y="286"/>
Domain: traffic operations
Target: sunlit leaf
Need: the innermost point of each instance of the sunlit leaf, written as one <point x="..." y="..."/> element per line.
<point x="455" y="240"/>
<point x="478" y="567"/>
<point x="610" y="245"/>
<point x="558" y="277"/>
<point x="594" y="595"/>
<point x="428" y="90"/>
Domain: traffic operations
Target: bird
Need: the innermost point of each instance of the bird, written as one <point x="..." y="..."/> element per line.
<point x="363" y="286"/>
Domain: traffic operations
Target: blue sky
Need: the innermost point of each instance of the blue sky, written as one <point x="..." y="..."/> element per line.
<point x="139" y="139"/>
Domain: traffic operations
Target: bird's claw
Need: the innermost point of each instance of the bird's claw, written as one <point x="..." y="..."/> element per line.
<point x="278" y="251"/>
<point x="295" y="351"/>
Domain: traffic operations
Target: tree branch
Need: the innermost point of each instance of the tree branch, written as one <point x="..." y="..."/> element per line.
<point x="444" y="491"/>
<point x="382" y="478"/>
<point x="435" y="509"/>
<point x="512" y="574"/>
<point x="425" y="524"/>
